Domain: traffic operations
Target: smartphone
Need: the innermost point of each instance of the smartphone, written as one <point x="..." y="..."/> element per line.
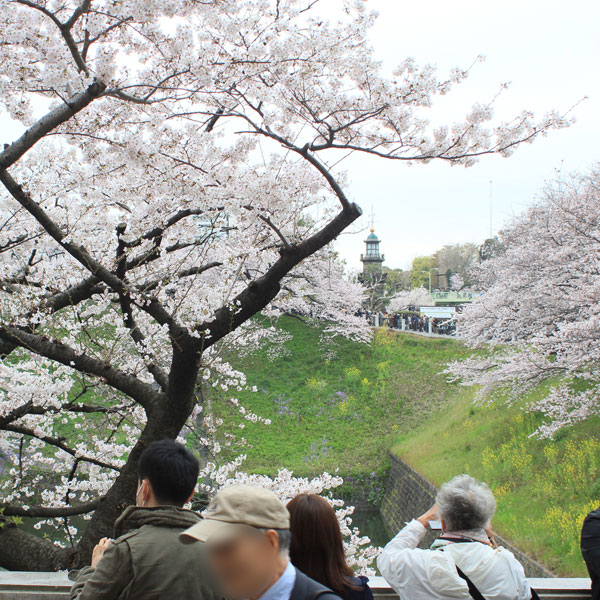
<point x="435" y="525"/>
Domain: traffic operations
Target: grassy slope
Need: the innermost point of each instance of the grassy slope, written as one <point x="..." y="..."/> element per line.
<point x="544" y="488"/>
<point x="342" y="413"/>
<point x="346" y="413"/>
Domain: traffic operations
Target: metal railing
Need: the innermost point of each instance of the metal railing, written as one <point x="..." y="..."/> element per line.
<point x="54" y="586"/>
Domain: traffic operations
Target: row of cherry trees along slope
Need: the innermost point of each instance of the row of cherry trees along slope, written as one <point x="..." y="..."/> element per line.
<point x="174" y="180"/>
<point x="540" y="315"/>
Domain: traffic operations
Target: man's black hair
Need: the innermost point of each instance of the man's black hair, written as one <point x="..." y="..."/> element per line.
<point x="172" y="471"/>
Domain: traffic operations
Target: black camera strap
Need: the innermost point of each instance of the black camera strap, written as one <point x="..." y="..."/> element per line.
<point x="476" y="594"/>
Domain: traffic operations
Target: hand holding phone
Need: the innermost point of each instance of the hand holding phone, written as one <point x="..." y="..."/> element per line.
<point x="431" y="515"/>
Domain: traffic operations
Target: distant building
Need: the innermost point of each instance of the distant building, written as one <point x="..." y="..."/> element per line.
<point x="372" y="260"/>
<point x="373" y="275"/>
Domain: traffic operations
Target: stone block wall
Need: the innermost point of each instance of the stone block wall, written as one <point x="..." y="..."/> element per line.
<point x="409" y="495"/>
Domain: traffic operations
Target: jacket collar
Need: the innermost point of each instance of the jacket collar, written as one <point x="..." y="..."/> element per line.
<point x="457" y="537"/>
<point x="134" y="517"/>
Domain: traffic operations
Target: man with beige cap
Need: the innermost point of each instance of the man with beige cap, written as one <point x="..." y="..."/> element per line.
<point x="247" y="533"/>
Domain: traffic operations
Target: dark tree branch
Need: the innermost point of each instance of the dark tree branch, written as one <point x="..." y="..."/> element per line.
<point x="55" y="302"/>
<point x="127" y="310"/>
<point x="29" y="408"/>
<point x="276" y="229"/>
<point x="65" y="28"/>
<point x="192" y="271"/>
<point x="16" y="414"/>
<point x="20" y="239"/>
<point x="73" y="295"/>
<point x="213" y="120"/>
<point x="306" y="153"/>
<point x="159" y="231"/>
<point x="19" y="548"/>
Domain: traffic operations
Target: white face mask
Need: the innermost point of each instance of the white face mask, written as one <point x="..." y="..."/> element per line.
<point x="138" y="493"/>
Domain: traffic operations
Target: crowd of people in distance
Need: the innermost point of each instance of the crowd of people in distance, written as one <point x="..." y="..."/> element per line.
<point x="410" y="320"/>
<point x="249" y="546"/>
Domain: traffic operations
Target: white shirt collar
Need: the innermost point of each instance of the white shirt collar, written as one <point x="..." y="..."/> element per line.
<point x="282" y="588"/>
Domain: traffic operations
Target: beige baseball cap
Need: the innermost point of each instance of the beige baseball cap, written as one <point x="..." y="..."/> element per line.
<point x="237" y="508"/>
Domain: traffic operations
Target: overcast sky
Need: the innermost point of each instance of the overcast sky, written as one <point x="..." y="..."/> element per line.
<point x="550" y="53"/>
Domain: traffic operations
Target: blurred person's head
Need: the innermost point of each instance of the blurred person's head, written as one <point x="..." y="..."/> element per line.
<point x="246" y="530"/>
<point x="167" y="475"/>
<point x="317" y="548"/>
<point x="465" y="504"/>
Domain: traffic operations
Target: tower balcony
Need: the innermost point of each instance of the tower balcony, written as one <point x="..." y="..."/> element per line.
<point x="372" y="257"/>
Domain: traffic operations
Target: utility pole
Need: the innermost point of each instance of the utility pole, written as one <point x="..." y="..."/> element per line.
<point x="430" y="271"/>
<point x="491" y="227"/>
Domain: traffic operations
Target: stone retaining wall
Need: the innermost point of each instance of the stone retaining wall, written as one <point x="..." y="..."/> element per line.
<point x="409" y="495"/>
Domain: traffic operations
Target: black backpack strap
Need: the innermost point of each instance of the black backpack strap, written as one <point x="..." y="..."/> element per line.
<point x="475" y="593"/>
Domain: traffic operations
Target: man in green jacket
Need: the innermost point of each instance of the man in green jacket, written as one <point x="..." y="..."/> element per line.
<point x="147" y="560"/>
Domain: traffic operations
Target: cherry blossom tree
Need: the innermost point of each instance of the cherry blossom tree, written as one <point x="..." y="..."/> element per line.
<point x="539" y="315"/>
<point x="457" y="282"/>
<point x="359" y="551"/>
<point x="415" y="297"/>
<point x="175" y="177"/>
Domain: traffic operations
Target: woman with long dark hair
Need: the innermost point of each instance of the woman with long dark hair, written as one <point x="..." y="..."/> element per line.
<point x="317" y="548"/>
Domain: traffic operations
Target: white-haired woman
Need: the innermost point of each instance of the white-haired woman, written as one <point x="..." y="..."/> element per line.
<point x="464" y="552"/>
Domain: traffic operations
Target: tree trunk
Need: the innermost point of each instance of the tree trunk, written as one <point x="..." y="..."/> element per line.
<point x="22" y="551"/>
<point x="165" y="421"/>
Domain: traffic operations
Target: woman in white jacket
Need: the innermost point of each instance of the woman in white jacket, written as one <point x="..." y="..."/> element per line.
<point x="465" y="507"/>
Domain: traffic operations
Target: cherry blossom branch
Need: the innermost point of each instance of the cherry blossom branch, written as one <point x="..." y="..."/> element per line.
<point x="152" y="254"/>
<point x="19" y="240"/>
<point x="309" y="157"/>
<point x="150" y="305"/>
<point x="57" y="351"/>
<point x="65" y="28"/>
<point x="88" y="41"/>
<point x="192" y="271"/>
<point x="263" y="290"/>
<point x="58" y="443"/>
<point x="59" y="300"/>
<point x="160" y="230"/>
<point x="74" y="294"/>
<point x="154" y="87"/>
<point x="48" y="122"/>
<point x="46" y="512"/>
<point x="29" y="408"/>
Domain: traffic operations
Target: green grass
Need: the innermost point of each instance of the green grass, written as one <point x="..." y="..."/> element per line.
<point x="346" y="413"/>
<point x="544" y="488"/>
<point x="341" y="413"/>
